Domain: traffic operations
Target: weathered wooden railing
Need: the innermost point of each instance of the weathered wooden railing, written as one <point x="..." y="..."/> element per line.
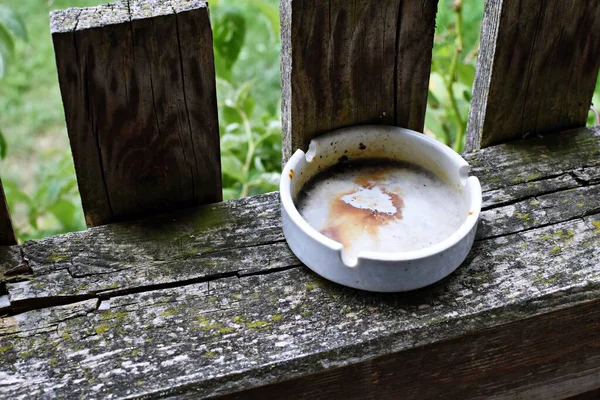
<point x="209" y="300"/>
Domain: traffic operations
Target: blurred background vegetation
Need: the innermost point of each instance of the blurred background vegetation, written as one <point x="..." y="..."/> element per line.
<point x="36" y="165"/>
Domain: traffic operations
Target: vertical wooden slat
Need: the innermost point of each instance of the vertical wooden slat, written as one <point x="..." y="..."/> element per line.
<point x="537" y="68"/>
<point x="353" y="62"/>
<point x="7" y="234"/>
<point x="138" y="85"/>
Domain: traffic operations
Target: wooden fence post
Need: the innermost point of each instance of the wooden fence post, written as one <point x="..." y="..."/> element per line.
<point x="353" y="62"/>
<point x="537" y="68"/>
<point x="138" y="85"/>
<point x="7" y="234"/>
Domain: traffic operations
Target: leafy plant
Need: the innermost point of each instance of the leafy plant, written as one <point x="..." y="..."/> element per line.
<point x="11" y="26"/>
<point x="250" y="129"/>
<point x="453" y="71"/>
<point x="52" y="208"/>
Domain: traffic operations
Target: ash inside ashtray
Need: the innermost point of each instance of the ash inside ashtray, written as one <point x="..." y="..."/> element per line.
<point x="381" y="205"/>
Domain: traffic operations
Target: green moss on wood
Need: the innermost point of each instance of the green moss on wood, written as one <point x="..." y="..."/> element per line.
<point x="168" y="312"/>
<point x="100" y="329"/>
<point x="257" y="324"/>
<point x="482" y="275"/>
<point x="26" y="354"/>
<point x="56" y="257"/>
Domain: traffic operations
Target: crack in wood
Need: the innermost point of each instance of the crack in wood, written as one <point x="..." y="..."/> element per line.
<point x="23" y="306"/>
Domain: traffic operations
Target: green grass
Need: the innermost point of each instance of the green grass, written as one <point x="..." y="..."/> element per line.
<point x="38" y="172"/>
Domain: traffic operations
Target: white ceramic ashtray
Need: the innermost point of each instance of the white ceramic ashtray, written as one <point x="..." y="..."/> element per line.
<point x="379" y="208"/>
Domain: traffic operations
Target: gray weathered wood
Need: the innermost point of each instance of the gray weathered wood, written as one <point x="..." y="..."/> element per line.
<point x="7" y="234"/>
<point x="537" y="69"/>
<point x="349" y="63"/>
<point x="211" y="301"/>
<point x="237" y="237"/>
<point x="138" y="85"/>
<point x="240" y="332"/>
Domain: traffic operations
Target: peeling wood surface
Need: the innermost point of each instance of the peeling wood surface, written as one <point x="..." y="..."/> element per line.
<point x="7" y="234"/>
<point x="211" y="301"/>
<point x="536" y="71"/>
<point x="350" y="63"/>
<point x="138" y="85"/>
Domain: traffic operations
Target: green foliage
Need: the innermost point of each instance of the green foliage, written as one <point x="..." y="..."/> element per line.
<point x="52" y="207"/>
<point x="453" y="70"/>
<point x="246" y="49"/>
<point x="11" y="26"/>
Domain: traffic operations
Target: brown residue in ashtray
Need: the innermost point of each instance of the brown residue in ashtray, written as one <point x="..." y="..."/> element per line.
<point x="356" y="213"/>
<point x="369" y="205"/>
<point x="380" y="205"/>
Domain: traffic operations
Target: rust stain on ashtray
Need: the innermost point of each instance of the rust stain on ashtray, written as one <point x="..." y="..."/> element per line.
<point x="364" y="209"/>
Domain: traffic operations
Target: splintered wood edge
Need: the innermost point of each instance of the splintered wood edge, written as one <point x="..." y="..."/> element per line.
<point x="483" y="74"/>
<point x="285" y="12"/>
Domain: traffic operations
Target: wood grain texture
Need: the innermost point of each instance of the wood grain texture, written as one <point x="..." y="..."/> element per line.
<point x="138" y="86"/>
<point x="211" y="302"/>
<point x="236" y="238"/>
<point x="7" y="234"/>
<point x="517" y="308"/>
<point x="537" y="69"/>
<point x="350" y="63"/>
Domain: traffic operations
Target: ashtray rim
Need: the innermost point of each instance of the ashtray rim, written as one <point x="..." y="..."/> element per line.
<point x="460" y="234"/>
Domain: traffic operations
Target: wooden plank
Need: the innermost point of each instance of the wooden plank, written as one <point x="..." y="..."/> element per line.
<point x="211" y="302"/>
<point x="537" y="69"/>
<point x="476" y="365"/>
<point x="511" y="321"/>
<point x="351" y="63"/>
<point x="138" y="87"/>
<point x="235" y="238"/>
<point x="526" y="161"/>
<point x="7" y="234"/>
